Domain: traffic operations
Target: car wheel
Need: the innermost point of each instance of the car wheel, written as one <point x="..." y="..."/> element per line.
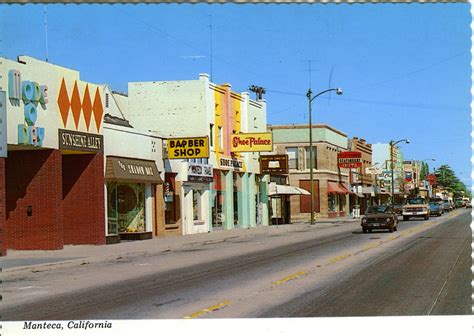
<point x="390" y="229"/>
<point x="395" y="228"/>
<point x="427" y="217"/>
<point x="370" y="230"/>
<point x="405" y="218"/>
<point x="364" y="230"/>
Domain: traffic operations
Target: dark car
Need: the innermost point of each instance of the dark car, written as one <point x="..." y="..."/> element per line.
<point x="398" y="208"/>
<point x="379" y="217"/>
<point x="459" y="204"/>
<point x="436" y="208"/>
<point x="447" y="206"/>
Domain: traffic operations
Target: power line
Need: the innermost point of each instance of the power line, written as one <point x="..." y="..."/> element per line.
<point x="444" y="60"/>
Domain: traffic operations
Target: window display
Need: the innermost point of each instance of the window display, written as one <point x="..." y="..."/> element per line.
<point x="126" y="207"/>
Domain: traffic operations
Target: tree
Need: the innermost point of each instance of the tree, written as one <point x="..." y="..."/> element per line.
<point x="448" y="180"/>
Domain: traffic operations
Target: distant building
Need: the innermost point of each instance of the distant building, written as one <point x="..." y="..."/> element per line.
<point x="331" y="184"/>
<point x="381" y="156"/>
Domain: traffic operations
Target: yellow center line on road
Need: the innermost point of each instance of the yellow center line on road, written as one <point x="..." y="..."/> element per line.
<point x="288" y="278"/>
<point x="338" y="258"/>
<point x="208" y="310"/>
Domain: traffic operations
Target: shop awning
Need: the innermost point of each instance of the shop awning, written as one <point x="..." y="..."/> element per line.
<point x="122" y="169"/>
<point x="337" y="188"/>
<point x="278" y="189"/>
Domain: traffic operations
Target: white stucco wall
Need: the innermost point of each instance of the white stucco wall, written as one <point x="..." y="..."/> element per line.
<point x="49" y="117"/>
<point x="175" y="108"/>
<point x="131" y="143"/>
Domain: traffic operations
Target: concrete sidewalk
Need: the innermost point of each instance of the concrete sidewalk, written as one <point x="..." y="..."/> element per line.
<point x="18" y="261"/>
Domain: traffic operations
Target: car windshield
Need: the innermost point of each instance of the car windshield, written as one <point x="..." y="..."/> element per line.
<point x="446" y="202"/>
<point x="378" y="209"/>
<point x="416" y="201"/>
<point x="434" y="204"/>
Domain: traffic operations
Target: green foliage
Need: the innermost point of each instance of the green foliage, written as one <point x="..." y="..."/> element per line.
<point x="447" y="179"/>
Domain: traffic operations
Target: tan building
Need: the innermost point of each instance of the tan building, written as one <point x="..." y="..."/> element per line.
<point x="331" y="184"/>
<point x="361" y="182"/>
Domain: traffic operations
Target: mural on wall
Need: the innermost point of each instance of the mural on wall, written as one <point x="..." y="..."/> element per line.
<point x="32" y="95"/>
<point x="80" y="104"/>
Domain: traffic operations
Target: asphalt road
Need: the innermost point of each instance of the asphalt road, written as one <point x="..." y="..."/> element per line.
<point x="430" y="275"/>
<point x="343" y="274"/>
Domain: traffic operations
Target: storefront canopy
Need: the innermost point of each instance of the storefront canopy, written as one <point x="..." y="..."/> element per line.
<point x="132" y="170"/>
<point x="277" y="189"/>
<point x="337" y="188"/>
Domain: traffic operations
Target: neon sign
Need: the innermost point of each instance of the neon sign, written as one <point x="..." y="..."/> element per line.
<point x="32" y="94"/>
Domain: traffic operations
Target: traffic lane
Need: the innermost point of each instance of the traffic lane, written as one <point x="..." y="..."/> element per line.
<point x="161" y="291"/>
<point x="408" y="281"/>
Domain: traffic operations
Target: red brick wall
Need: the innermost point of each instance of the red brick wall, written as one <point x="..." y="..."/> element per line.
<point x="3" y="248"/>
<point x="33" y="178"/>
<point x="83" y="199"/>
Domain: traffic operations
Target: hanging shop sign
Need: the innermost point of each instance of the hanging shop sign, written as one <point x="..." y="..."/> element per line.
<point x="80" y="141"/>
<point x="349" y="160"/>
<point x="3" y="124"/>
<point x="274" y="164"/>
<point x="188" y="148"/>
<point x="199" y="172"/>
<point x="373" y="170"/>
<point x="31" y="94"/>
<point x="132" y="170"/>
<point x="251" y="142"/>
<point x="408" y="176"/>
<point x="231" y="163"/>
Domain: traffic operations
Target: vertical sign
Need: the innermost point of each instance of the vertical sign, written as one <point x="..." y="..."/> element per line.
<point x="3" y="124"/>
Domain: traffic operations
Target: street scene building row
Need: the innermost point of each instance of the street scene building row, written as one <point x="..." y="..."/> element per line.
<point x="83" y="164"/>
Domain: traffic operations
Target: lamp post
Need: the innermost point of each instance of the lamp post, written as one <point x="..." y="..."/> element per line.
<point x="393" y="143"/>
<point x="311" y="163"/>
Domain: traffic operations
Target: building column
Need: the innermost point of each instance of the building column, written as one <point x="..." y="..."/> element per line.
<point x="228" y="206"/>
<point x="211" y="195"/>
<point x="264" y="199"/>
<point x="3" y="247"/>
<point x="244" y="196"/>
<point x="252" y="201"/>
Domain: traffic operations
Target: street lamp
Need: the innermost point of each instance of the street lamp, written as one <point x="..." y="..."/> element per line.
<point x="311" y="163"/>
<point x="393" y="143"/>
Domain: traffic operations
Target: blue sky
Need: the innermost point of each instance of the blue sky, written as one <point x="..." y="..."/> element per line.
<point x="405" y="69"/>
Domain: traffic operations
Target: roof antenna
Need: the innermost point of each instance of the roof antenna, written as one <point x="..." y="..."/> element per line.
<point x="46" y="30"/>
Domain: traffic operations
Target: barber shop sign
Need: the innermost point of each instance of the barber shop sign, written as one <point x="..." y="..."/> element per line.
<point x="32" y="95"/>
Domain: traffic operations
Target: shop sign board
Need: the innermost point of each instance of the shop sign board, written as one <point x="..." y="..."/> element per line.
<point x="231" y="163"/>
<point x="349" y="160"/>
<point x="373" y="170"/>
<point x="274" y="164"/>
<point x="134" y="170"/>
<point x="200" y="172"/>
<point x="80" y="141"/>
<point x="188" y="148"/>
<point x="3" y="124"/>
<point x="408" y="176"/>
<point x="32" y="95"/>
<point x="251" y="142"/>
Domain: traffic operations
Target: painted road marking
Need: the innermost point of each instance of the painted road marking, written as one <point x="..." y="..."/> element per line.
<point x="288" y="278"/>
<point x="338" y="258"/>
<point x="208" y="310"/>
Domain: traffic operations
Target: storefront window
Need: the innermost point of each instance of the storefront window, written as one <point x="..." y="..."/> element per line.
<point x="197" y="205"/>
<point x="332" y="202"/>
<point x="126" y="207"/>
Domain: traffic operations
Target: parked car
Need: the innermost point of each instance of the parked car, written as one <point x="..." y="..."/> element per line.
<point x="398" y="208"/>
<point x="416" y="207"/>
<point x="379" y="217"/>
<point x="468" y="204"/>
<point x="447" y="206"/>
<point x="459" y="204"/>
<point x="436" y="208"/>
